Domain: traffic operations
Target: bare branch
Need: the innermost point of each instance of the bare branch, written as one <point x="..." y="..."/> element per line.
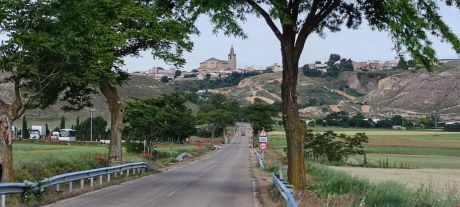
<point x="312" y="21"/>
<point x="267" y="18"/>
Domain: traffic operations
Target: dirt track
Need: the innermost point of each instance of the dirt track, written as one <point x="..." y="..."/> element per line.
<point x="440" y="180"/>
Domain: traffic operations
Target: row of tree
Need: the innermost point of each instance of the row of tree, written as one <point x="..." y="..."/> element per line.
<point x="68" y="49"/>
<point x="55" y="46"/>
<point x="168" y="119"/>
<point x="162" y="119"/>
<point x="343" y="119"/>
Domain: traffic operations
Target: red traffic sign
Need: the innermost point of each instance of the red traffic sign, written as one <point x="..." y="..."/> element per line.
<point x="263" y="134"/>
<point x="263" y="145"/>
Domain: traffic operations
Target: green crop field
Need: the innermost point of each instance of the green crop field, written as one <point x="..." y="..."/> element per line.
<point x="417" y="148"/>
<point x="28" y="152"/>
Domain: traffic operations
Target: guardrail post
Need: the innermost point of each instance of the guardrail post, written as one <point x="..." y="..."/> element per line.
<point x="70" y="187"/>
<point x="57" y="187"/>
<point x="82" y="184"/>
<point x="91" y="181"/>
<point x="108" y="177"/>
<point x="100" y="179"/>
<point x="3" y="200"/>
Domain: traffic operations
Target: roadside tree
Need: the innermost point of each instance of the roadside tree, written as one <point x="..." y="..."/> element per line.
<point x="162" y="119"/>
<point x="83" y="130"/>
<point x="260" y="115"/>
<point x="120" y="28"/>
<point x="62" y="123"/>
<point x="408" y="23"/>
<point x="38" y="61"/>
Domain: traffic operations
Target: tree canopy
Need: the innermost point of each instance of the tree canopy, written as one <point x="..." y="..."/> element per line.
<point x="83" y="130"/>
<point x="410" y="24"/>
<point x="162" y="119"/>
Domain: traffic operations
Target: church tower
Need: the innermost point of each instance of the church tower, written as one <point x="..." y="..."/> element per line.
<point x="232" y="59"/>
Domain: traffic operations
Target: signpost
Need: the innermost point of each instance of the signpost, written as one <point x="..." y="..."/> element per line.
<point x="263" y="142"/>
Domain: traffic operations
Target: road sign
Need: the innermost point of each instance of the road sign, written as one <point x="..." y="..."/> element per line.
<point x="263" y="146"/>
<point x="263" y="140"/>
<point x="263" y="134"/>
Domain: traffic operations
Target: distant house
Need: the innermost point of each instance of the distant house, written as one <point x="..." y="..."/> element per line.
<point x="139" y="73"/>
<point x="368" y="65"/>
<point x="449" y="60"/>
<point x="360" y="65"/>
<point x="158" y="72"/>
<point x="321" y="67"/>
<point x="247" y="69"/>
<point x="376" y="65"/>
<point x="390" y="64"/>
<point x="275" y="68"/>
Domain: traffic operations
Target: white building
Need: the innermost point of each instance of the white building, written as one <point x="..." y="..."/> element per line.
<point x="159" y="72"/>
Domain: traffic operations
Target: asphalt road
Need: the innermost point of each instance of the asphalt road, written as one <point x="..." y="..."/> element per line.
<point x="222" y="179"/>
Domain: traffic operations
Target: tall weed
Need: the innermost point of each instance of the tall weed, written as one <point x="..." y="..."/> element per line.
<point x="328" y="182"/>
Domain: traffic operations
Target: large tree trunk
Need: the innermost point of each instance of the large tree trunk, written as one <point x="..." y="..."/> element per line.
<point x="293" y="126"/>
<point x="6" y="149"/>
<point x="116" y="114"/>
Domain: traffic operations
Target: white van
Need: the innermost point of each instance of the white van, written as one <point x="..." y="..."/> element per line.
<point x="67" y="135"/>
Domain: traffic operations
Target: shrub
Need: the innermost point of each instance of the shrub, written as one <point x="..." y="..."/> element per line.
<point x="134" y="147"/>
<point x="333" y="147"/>
<point x="39" y="169"/>
<point x="452" y="127"/>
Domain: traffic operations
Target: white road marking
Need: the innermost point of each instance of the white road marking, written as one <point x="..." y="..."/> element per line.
<point x="172" y="193"/>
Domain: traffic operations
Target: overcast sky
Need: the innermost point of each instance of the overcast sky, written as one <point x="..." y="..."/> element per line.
<point x="262" y="48"/>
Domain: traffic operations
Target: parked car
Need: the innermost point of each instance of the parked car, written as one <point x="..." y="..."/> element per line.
<point x="243" y="133"/>
<point x="34" y="134"/>
<point x="54" y="136"/>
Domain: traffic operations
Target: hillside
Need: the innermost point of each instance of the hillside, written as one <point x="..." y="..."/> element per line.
<point x="418" y="93"/>
<point x="314" y="93"/>
<point x="137" y="87"/>
<point x="380" y="93"/>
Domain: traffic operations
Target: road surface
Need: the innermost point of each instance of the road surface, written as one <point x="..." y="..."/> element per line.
<point x="220" y="180"/>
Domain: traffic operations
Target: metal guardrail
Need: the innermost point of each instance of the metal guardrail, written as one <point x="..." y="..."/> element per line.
<point x="181" y="156"/>
<point x="285" y="190"/>
<point x="261" y="160"/>
<point x="7" y="188"/>
<point x="10" y="188"/>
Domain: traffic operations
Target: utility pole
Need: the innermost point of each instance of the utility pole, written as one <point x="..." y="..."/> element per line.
<point x="402" y="122"/>
<point x="91" y="117"/>
<point x="435" y="115"/>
